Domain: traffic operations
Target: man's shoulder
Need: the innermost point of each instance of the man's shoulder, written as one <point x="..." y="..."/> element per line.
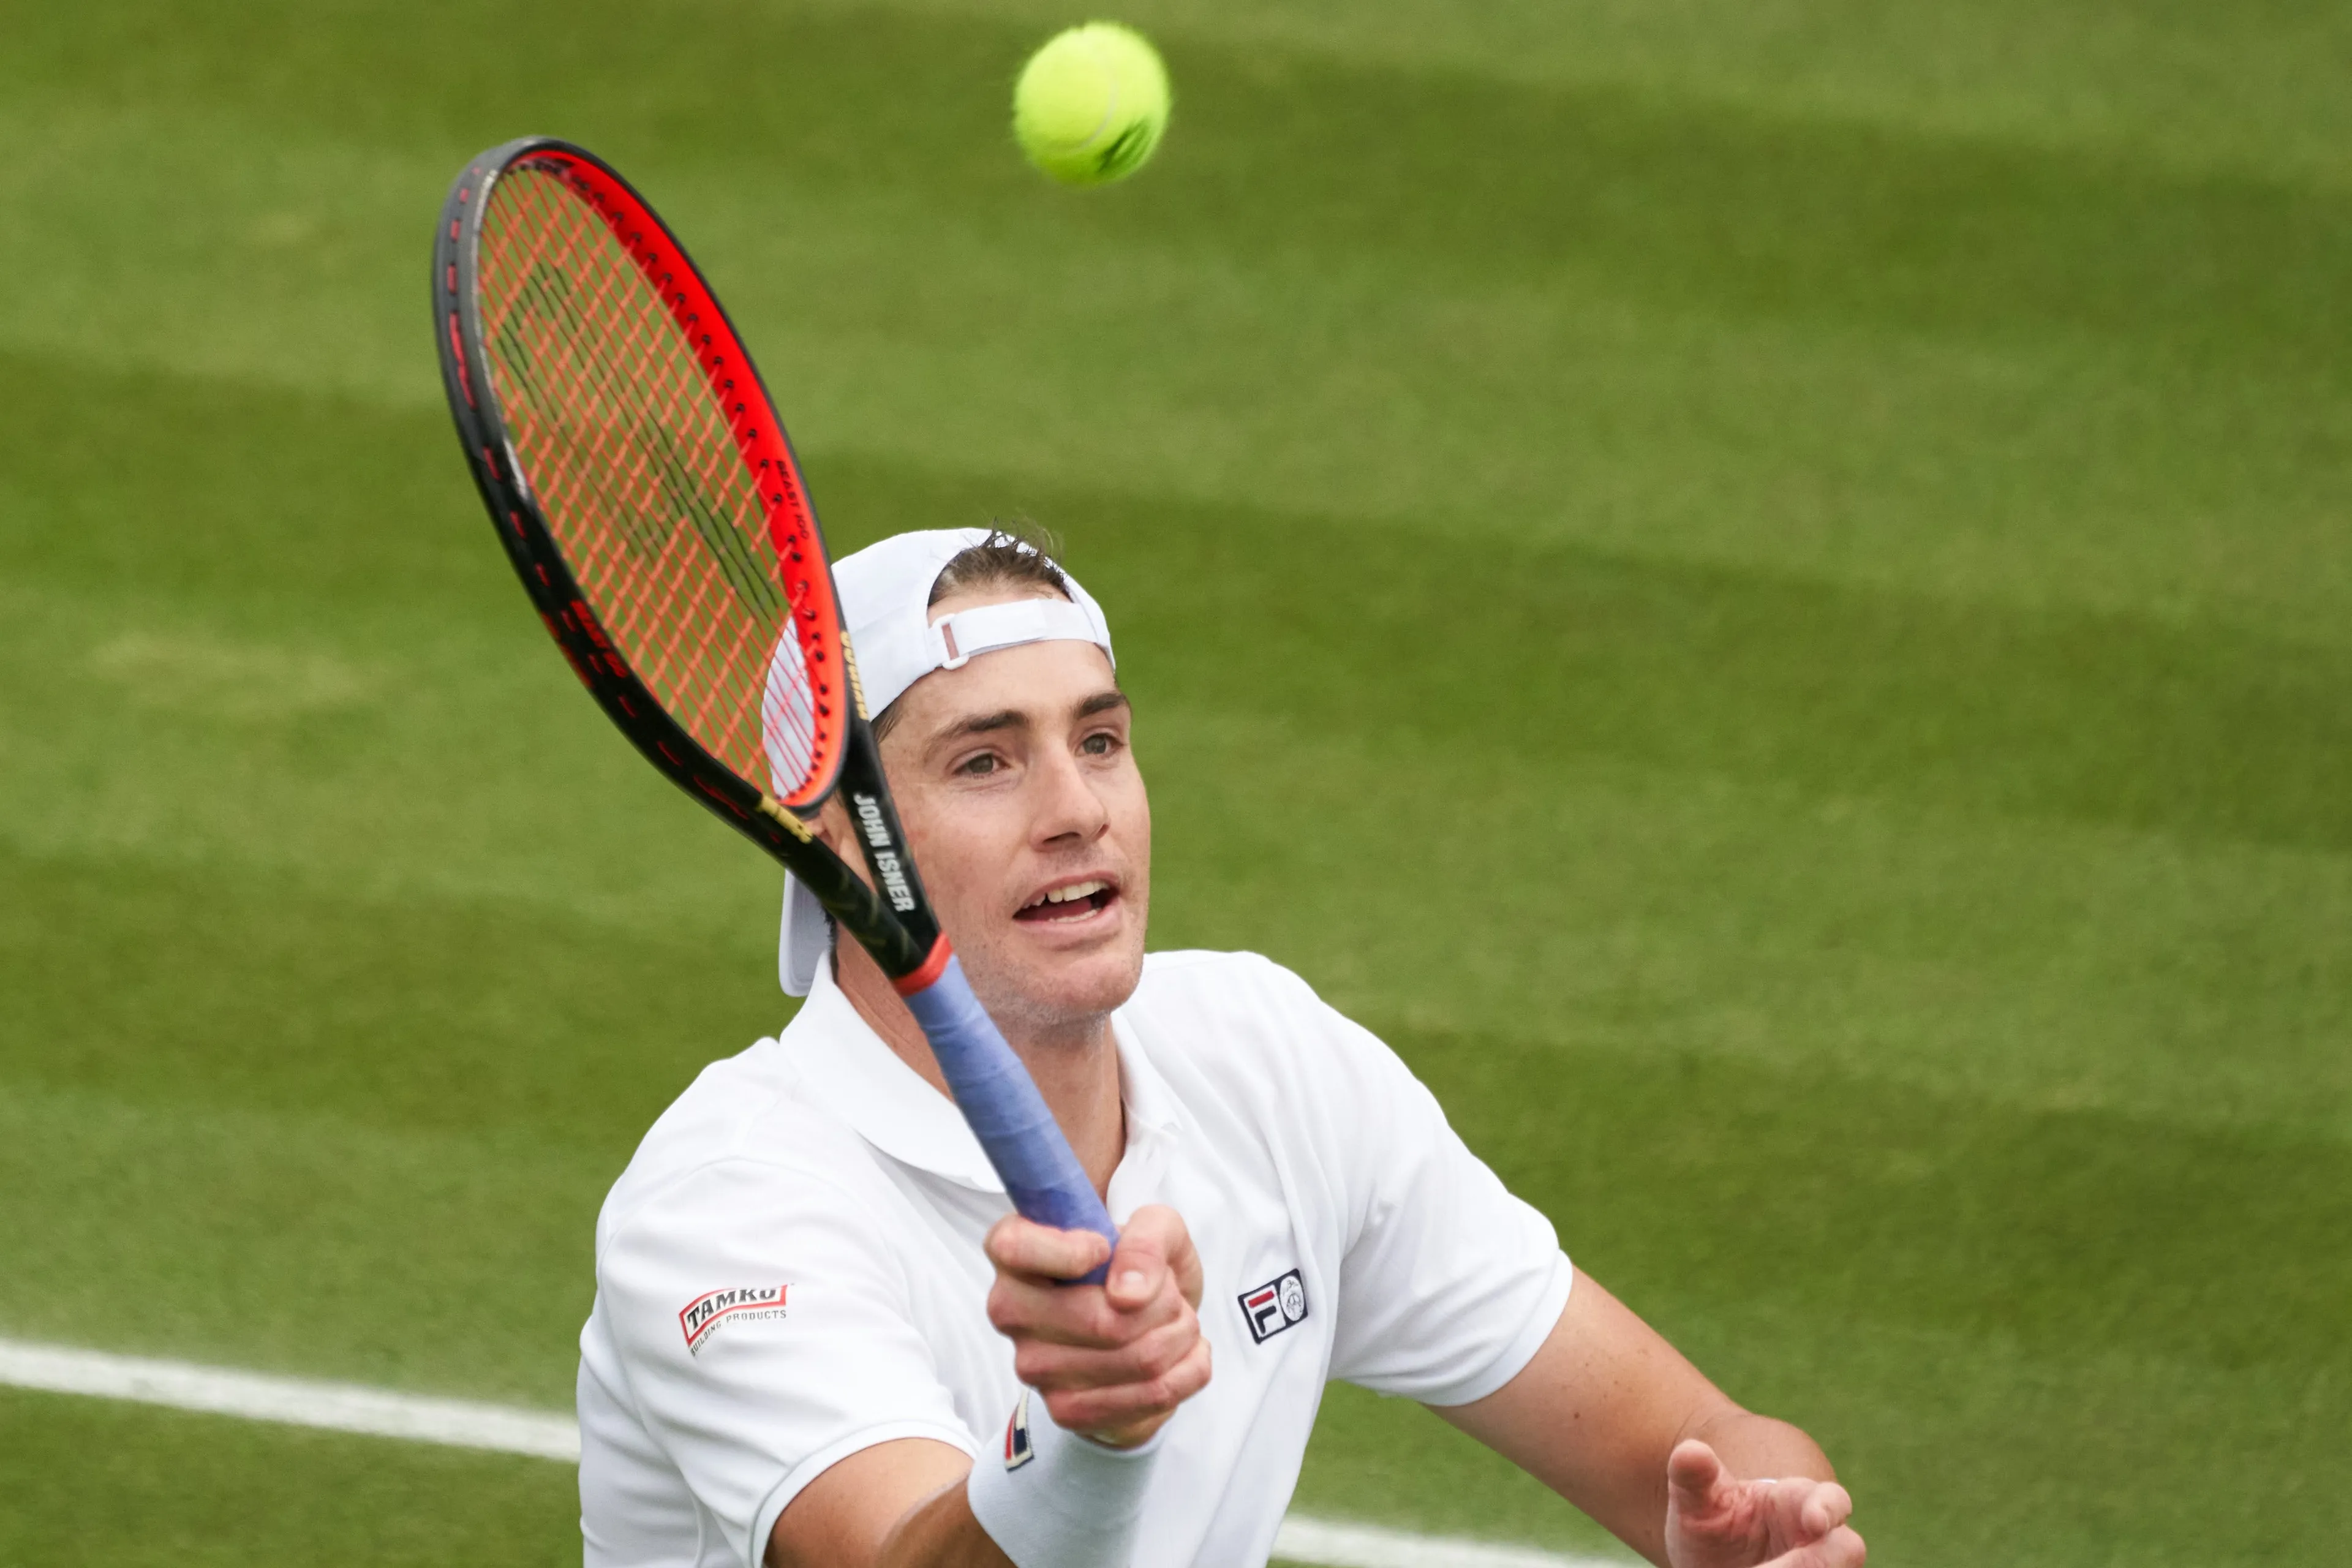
<point x="1244" y="1015"/>
<point x="746" y="1114"/>
<point x="1234" y="987"/>
<point x="716" y="1114"/>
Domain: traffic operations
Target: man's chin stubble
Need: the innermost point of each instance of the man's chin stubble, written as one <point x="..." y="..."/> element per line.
<point x="1045" y="1012"/>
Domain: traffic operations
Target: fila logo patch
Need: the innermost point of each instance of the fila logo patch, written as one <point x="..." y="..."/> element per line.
<point x="1275" y="1305"/>
<point x="703" y="1315"/>
<point x="1017" y="1450"/>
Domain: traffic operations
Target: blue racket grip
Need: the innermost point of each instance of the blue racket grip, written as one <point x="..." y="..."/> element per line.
<point x="1006" y="1113"/>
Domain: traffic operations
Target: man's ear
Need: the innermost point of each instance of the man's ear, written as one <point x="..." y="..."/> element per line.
<point x="834" y="830"/>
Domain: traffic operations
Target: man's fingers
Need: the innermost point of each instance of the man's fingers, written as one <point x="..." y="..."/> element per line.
<point x="1077" y="1315"/>
<point x="1137" y="1270"/>
<point x="1042" y="1363"/>
<point x="1018" y="1246"/>
<point x="1797" y="1510"/>
<point x="1130" y="1412"/>
<point x="1028" y="1308"/>
<point x="1841" y="1547"/>
<point x="1819" y="1510"/>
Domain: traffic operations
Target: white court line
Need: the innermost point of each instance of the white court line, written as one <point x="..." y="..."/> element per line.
<point x="468" y="1424"/>
<point x="296" y="1402"/>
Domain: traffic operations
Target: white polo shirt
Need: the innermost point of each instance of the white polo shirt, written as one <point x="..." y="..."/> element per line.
<point x="790" y="1271"/>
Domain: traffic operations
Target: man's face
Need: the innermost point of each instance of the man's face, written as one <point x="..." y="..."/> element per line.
<point x="1027" y="817"/>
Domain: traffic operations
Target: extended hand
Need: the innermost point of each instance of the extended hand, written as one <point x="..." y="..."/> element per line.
<point x="1715" y="1521"/>
<point x="1113" y="1361"/>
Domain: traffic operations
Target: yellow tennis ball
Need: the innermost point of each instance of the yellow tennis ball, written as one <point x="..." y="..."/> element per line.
<point x="1090" y="105"/>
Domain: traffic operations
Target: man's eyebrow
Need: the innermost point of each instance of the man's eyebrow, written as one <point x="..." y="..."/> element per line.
<point x="1015" y="718"/>
<point x="984" y="724"/>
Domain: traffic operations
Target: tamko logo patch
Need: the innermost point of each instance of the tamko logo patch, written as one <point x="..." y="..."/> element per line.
<point x="743" y="1302"/>
<point x="1275" y="1305"/>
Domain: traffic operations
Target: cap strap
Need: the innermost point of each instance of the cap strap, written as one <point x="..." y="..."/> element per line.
<point x="954" y="640"/>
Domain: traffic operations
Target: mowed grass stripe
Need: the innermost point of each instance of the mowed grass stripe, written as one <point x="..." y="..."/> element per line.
<point x="2197" y="89"/>
<point x="2138" y="722"/>
<point x="1693" y="198"/>
<point x="2192" y="86"/>
<point x="1672" y="328"/>
<point x="2199" y="732"/>
<point x="221" y="987"/>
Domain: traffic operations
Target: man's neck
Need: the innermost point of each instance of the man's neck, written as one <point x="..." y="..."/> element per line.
<point x="1077" y="1068"/>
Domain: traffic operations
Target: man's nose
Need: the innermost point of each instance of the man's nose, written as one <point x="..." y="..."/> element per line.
<point x="1068" y="806"/>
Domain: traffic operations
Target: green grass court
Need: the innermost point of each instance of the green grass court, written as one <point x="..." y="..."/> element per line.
<point x="1834" y="516"/>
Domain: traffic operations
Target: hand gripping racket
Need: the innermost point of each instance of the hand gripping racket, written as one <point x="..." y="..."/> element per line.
<point x="641" y="481"/>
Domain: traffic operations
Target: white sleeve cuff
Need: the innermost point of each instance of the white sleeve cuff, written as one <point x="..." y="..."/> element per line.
<point x="1051" y="1499"/>
<point x="1523" y="1346"/>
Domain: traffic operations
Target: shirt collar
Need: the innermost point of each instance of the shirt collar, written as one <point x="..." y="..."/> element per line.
<point x="865" y="1083"/>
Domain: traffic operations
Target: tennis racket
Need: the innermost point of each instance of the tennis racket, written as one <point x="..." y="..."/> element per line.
<point x="641" y="481"/>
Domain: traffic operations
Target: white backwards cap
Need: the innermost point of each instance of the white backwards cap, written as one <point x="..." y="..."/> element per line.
<point x="886" y="592"/>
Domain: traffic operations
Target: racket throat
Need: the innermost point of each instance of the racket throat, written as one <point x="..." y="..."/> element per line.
<point x="785" y="818"/>
<point x="896" y="885"/>
<point x="878" y="834"/>
<point x="934" y="966"/>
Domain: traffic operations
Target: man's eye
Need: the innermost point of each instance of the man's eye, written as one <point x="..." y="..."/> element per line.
<point x="986" y="762"/>
<point x="1098" y="744"/>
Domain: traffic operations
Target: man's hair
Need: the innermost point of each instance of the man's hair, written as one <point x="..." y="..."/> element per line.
<point x="1013" y="555"/>
<point x="1021" y="554"/>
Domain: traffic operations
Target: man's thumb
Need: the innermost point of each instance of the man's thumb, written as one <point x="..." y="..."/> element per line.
<point x="1692" y="1470"/>
<point x="1137" y="1265"/>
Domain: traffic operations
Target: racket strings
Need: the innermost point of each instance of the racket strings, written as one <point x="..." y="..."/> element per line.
<point x="635" y="465"/>
<point x="634" y="441"/>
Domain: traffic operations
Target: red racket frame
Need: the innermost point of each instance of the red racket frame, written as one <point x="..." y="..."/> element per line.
<point x="845" y="743"/>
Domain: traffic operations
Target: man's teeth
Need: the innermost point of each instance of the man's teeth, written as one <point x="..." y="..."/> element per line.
<point x="1075" y="891"/>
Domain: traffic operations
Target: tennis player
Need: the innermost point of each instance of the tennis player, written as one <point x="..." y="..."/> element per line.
<point x="822" y="1340"/>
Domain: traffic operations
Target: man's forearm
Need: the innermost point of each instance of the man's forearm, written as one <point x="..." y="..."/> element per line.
<point x="1600" y="1406"/>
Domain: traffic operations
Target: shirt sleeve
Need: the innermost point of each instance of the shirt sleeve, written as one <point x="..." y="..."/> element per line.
<point x="764" y="1337"/>
<point x="1448" y="1284"/>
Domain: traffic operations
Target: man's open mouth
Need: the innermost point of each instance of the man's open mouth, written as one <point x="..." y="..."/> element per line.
<point x="1073" y="901"/>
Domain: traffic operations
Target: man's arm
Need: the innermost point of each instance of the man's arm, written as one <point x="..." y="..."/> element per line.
<point x="895" y="1505"/>
<point x="1112" y="1362"/>
<point x="1610" y="1416"/>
